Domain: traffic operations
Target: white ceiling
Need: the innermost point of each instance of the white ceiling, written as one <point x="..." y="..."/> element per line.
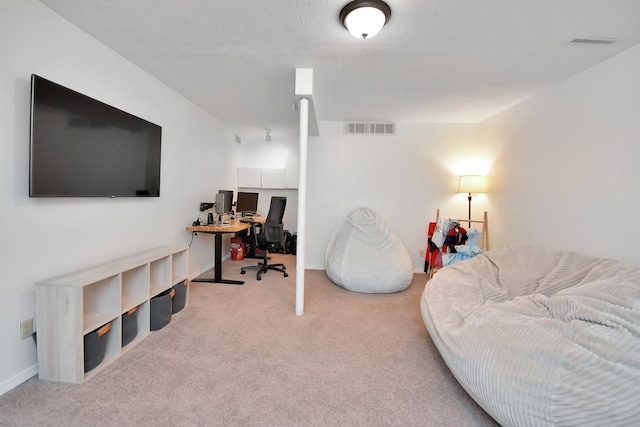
<point x="435" y="61"/>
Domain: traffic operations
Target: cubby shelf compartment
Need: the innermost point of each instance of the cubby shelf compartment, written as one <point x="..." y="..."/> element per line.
<point x="100" y="302"/>
<point x="135" y="287"/>
<point x="70" y="306"/>
<point x="160" y="275"/>
<point x="112" y="350"/>
<point x="179" y="267"/>
<point x="143" y="322"/>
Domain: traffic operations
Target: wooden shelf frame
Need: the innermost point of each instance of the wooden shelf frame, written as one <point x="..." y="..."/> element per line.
<point x="72" y="305"/>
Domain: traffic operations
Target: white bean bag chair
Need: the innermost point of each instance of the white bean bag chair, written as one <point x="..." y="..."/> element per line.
<point x="539" y="336"/>
<point x="364" y="255"/>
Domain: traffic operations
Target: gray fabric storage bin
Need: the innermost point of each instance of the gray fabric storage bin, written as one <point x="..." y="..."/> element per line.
<point x="95" y="344"/>
<point x="180" y="298"/>
<point x="129" y="326"/>
<point x="161" y="309"/>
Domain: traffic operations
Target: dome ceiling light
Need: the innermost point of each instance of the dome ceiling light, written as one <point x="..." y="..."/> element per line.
<point x="365" y="18"/>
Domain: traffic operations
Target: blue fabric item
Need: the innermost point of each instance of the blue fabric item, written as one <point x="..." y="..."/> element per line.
<point x="463" y="252"/>
<point x="473" y="237"/>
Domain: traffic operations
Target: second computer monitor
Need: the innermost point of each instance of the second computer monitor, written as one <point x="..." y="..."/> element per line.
<point x="247" y="202"/>
<point x="226" y="205"/>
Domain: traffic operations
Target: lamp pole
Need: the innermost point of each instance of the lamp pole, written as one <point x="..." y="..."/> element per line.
<point x="469" y="210"/>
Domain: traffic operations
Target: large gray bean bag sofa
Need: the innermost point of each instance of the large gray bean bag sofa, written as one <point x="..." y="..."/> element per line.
<point x="365" y="255"/>
<point x="541" y="337"/>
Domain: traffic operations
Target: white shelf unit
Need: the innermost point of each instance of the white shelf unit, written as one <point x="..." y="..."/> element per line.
<point x="70" y="306"/>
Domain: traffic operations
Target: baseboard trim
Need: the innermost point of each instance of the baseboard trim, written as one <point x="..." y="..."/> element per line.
<point x="208" y="267"/>
<point x="308" y="267"/>
<point x="200" y="272"/>
<point x="16" y="380"/>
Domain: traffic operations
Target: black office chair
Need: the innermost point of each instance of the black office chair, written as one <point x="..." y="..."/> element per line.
<point x="272" y="235"/>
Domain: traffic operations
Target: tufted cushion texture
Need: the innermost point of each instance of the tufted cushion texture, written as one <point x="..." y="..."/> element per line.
<point x="541" y="336"/>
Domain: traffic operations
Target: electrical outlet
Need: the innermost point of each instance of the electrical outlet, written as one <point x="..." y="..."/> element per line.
<point x="421" y="253"/>
<point x="26" y="328"/>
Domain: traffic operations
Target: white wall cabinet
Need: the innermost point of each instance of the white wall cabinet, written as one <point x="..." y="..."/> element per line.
<point x="291" y="177"/>
<point x="70" y="306"/>
<point x="250" y="177"/>
<point x="273" y="178"/>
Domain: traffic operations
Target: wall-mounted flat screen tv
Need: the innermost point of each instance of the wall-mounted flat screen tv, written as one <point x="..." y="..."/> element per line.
<point x="81" y="147"/>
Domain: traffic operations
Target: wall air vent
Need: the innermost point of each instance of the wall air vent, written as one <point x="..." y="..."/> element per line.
<point x="592" y="41"/>
<point x="369" y="128"/>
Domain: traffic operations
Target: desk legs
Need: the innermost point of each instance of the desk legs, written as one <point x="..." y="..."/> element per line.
<point x="217" y="276"/>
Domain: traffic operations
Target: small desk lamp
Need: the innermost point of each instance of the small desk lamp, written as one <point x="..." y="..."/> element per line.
<point x="470" y="184"/>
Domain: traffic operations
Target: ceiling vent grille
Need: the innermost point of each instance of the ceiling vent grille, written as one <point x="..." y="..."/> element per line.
<point x="369" y="128"/>
<point x="593" y="41"/>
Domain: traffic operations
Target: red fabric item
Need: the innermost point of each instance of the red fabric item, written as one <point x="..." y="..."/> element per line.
<point x="455" y="236"/>
<point x="433" y="256"/>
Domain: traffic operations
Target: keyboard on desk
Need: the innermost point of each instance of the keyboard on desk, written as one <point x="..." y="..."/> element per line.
<point x="247" y="220"/>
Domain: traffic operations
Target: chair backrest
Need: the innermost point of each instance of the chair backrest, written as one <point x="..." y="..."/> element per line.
<point x="273" y="226"/>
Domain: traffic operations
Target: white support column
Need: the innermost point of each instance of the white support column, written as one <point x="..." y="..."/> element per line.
<point x="308" y="125"/>
<point x="302" y="205"/>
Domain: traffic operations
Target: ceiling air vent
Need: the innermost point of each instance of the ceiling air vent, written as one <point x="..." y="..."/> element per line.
<point x="593" y="41"/>
<point x="369" y="128"/>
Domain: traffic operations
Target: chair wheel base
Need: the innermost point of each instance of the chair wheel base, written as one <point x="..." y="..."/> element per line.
<point x="263" y="268"/>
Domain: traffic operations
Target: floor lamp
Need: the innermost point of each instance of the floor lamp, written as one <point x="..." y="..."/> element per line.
<point x="470" y="184"/>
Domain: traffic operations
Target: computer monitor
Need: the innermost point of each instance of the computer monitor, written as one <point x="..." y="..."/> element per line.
<point x="227" y="204"/>
<point x="247" y="202"/>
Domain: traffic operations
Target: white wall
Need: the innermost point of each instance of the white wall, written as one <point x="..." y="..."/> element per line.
<point x="46" y="237"/>
<point x="405" y="178"/>
<point x="565" y="168"/>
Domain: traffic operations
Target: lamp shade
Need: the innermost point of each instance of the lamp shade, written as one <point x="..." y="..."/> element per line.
<point x="471" y="184"/>
<point x="364" y="19"/>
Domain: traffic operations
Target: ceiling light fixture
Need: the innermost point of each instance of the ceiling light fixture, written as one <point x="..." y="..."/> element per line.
<point x="365" y="18"/>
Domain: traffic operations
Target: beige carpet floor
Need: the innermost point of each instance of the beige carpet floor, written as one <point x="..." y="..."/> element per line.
<point x="239" y="356"/>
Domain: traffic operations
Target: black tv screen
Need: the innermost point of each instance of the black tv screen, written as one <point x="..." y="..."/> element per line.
<point x="81" y="147"/>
